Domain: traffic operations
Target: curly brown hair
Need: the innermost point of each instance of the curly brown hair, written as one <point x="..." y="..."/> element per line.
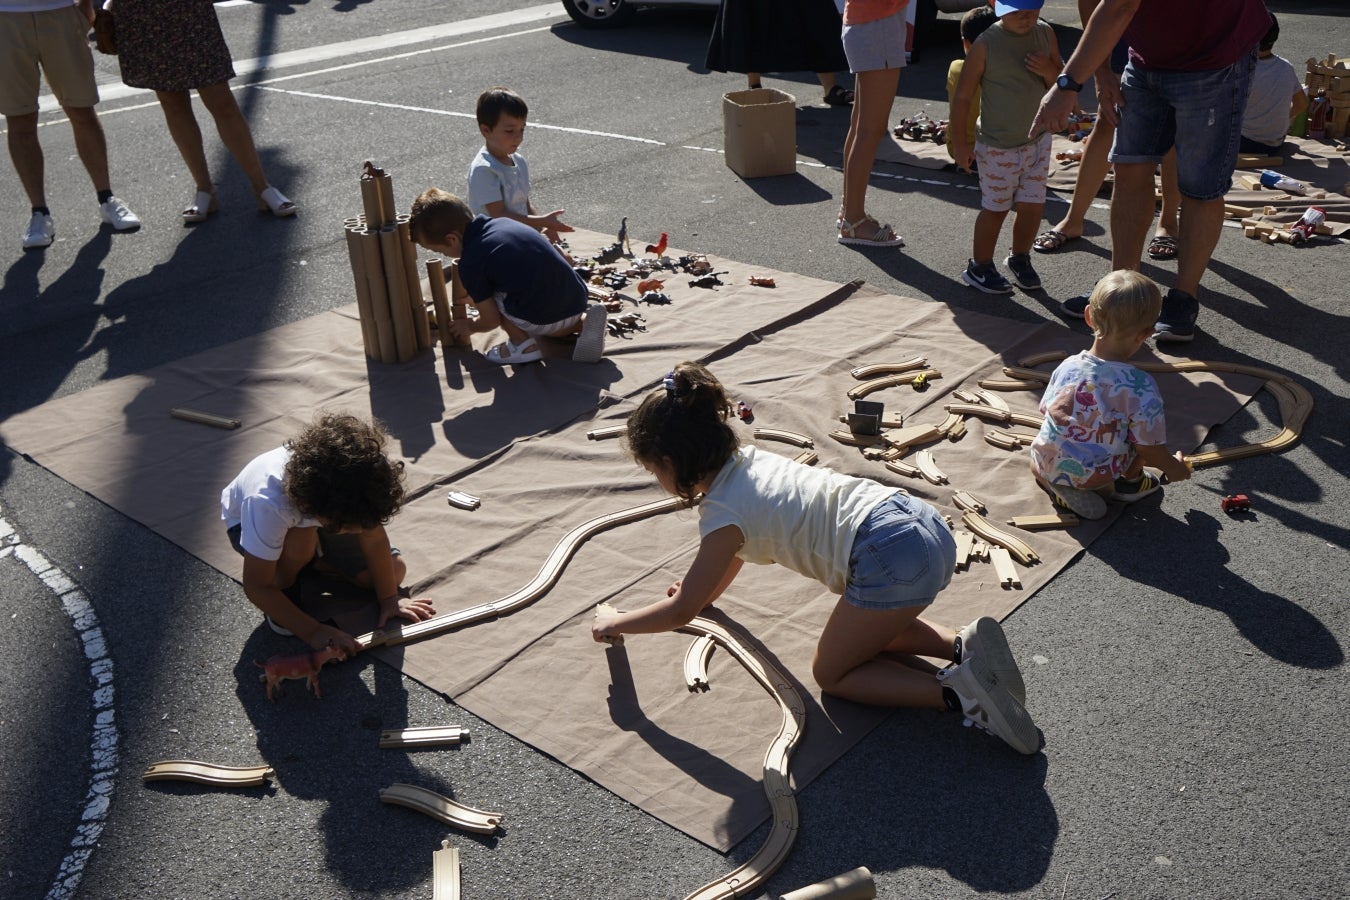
<point x="339" y="473"/>
<point x="684" y="421"/>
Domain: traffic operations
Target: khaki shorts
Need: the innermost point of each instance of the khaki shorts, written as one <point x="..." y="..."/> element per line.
<point x="57" y="40"/>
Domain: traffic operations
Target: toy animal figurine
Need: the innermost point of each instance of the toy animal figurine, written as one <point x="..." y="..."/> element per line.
<point x="695" y="263"/>
<point x="655" y="297"/>
<point x="659" y="248"/>
<point x="707" y="281"/>
<point x="623" y="236"/>
<point x="614" y="280"/>
<point x="609" y="254"/>
<point x="743" y="411"/>
<point x="762" y="281"/>
<point x="306" y="665"/>
<point x="651" y="284"/>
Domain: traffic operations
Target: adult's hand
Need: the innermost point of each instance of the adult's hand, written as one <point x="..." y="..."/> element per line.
<point x="1053" y="115"/>
<point x="1109" y="98"/>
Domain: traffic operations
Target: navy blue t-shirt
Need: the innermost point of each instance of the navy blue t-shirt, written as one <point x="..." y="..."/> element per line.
<point x="505" y="255"/>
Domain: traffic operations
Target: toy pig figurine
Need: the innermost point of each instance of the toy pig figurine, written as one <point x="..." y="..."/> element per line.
<point x="305" y="665"/>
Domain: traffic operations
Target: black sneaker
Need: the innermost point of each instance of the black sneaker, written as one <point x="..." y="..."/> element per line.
<point x="985" y="278"/>
<point x="1129" y="490"/>
<point x="1176" y="321"/>
<point x="1023" y="273"/>
<point x="1073" y="308"/>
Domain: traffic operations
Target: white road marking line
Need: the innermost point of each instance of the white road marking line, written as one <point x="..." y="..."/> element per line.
<point x="103" y="743"/>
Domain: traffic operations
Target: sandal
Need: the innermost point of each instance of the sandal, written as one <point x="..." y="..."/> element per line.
<point x="1052" y="240"/>
<point x="838" y="96"/>
<point x="203" y="204"/>
<point x="509" y="354"/>
<point x="1162" y="247"/>
<point x="273" y="199"/>
<point x="882" y="236"/>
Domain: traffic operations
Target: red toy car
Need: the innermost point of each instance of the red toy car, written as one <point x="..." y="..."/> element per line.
<point x="1236" y="503"/>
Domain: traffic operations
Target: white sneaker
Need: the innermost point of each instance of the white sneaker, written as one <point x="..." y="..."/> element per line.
<point x="989" y="705"/>
<point x="985" y="638"/>
<point x="118" y="215"/>
<point x="590" y="346"/>
<point x="41" y="231"/>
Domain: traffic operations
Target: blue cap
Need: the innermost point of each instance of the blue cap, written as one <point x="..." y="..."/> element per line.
<point x="1003" y="7"/>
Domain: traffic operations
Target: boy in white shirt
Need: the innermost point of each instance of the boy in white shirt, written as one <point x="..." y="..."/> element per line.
<point x="1276" y="99"/>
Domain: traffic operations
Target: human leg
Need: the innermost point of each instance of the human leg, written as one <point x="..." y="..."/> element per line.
<point x="90" y="144"/>
<point x="26" y="153"/>
<point x="1026" y="221"/>
<point x="874" y="93"/>
<point x="988" y="226"/>
<point x="237" y="137"/>
<point x="752" y="80"/>
<point x="1092" y="169"/>
<point x="1132" y="206"/>
<point x="187" y="136"/>
<point x="848" y="663"/>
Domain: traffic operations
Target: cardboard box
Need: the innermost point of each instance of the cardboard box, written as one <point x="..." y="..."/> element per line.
<point x="760" y="132"/>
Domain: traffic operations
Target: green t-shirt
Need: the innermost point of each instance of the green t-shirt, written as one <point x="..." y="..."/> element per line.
<point x="1010" y="93"/>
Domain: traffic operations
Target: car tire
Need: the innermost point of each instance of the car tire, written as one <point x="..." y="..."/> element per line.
<point x="600" y="13"/>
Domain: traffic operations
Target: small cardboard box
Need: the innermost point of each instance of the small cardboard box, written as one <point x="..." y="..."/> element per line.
<point x="760" y="132"/>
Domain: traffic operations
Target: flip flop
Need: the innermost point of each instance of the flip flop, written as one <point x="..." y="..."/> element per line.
<point x="1052" y="240"/>
<point x="509" y="354"/>
<point x="839" y="96"/>
<point x="1162" y="247"/>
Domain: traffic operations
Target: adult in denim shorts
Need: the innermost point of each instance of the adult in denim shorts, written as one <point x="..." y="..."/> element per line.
<point x="1185" y="86"/>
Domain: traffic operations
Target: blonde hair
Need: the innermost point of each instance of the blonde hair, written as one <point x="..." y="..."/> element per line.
<point x="1124" y="302"/>
<point x="436" y="213"/>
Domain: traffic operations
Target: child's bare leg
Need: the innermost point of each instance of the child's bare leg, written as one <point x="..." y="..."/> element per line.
<point x="988" y="224"/>
<point x="848" y="661"/>
<point x="297" y="550"/>
<point x="1026" y="223"/>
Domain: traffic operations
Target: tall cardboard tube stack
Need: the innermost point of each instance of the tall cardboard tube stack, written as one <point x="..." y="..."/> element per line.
<point x="393" y="312"/>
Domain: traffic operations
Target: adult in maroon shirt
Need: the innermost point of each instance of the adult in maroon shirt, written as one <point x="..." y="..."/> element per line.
<point x="1186" y="85"/>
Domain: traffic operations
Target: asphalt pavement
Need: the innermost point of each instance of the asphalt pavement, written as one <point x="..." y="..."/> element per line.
<point x="1188" y="671"/>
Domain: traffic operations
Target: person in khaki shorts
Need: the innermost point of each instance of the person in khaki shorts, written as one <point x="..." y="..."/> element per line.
<point x="50" y="35"/>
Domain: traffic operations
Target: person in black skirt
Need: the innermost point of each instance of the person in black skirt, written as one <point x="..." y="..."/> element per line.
<point x="176" y="46"/>
<point x="754" y="36"/>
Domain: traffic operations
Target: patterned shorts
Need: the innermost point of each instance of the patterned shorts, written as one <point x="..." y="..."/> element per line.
<point x="1013" y="176"/>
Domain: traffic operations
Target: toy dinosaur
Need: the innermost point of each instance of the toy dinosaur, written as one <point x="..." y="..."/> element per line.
<point x="305" y="665"/>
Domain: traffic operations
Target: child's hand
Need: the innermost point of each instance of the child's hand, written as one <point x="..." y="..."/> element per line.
<point x="605" y="629"/>
<point x="460" y="329"/>
<point x="551" y="222"/>
<point x="413" y="609"/>
<point x="1178" y="469"/>
<point x="327" y="634"/>
<point x="1044" y="66"/>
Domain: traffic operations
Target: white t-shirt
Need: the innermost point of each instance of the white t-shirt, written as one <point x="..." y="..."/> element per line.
<point x="1273" y="85"/>
<point x="493" y="181"/>
<point x="32" y="6"/>
<point x="801" y="517"/>
<point x="256" y="502"/>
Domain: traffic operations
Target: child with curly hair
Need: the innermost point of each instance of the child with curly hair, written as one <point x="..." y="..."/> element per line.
<point x="333" y="487"/>
<point x="886" y="553"/>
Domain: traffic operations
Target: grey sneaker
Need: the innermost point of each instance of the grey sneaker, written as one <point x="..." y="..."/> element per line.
<point x="988" y="704"/>
<point x="1022" y="271"/>
<point x="985" y="638"/>
<point x="40" y="233"/>
<point x="118" y="215"/>
<point x="590" y="346"/>
<point x="1088" y="504"/>
<point x="1176" y="321"/>
<point x="985" y="278"/>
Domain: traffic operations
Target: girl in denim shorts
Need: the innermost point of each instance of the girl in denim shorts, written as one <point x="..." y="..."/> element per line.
<point x="885" y="553"/>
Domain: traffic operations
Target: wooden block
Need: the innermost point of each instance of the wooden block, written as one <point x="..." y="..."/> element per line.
<point x="1237" y="212"/>
<point x="204" y="418"/>
<point x="1004" y="568"/>
<point x="1257" y="161"/>
<point x="1044" y="522"/>
<point x="1250" y="182"/>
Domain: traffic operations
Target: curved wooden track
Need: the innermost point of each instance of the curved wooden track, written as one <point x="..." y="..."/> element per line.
<point x="750" y="876"/>
<point x="1294" y="400"/>
<point x="863" y="373"/>
<point x="876" y="384"/>
<point x="207" y="773"/>
<point x="696" y="663"/>
<point x="988" y="531"/>
<point x="441" y="807"/>
<point x="538" y="586"/>
<point x="787" y="437"/>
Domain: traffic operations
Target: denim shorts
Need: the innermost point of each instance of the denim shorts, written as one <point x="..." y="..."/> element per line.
<point x="879" y="44"/>
<point x="903" y="554"/>
<point x="1200" y="113"/>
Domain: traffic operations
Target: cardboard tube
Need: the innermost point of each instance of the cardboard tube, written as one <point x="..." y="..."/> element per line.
<point x="416" y="301"/>
<point x="379" y="297"/>
<point x="365" y="311"/>
<point x="458" y="296"/>
<point x="386" y="188"/>
<point x="440" y="299"/>
<point x="370" y="201"/>
<point x="855" y="885"/>
<point x="391" y="256"/>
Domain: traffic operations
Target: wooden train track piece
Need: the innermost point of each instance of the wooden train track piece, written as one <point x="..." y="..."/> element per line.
<point x="1008" y="439"/>
<point x="207" y="773"/>
<point x="787" y="437"/>
<point x="894" y="422"/>
<point x="806" y="458"/>
<point x="696" y="663"/>
<point x="547" y="576"/>
<point x="1004" y="568"/>
<point x="965" y="543"/>
<point x="979" y="411"/>
<point x="607" y="431"/>
<point x="928" y="467"/>
<point x="462" y="500"/>
<point x="1009" y="384"/>
<point x="965" y="396"/>
<point x="1044" y="521"/>
<point x="854" y="885"/>
<point x="993" y="400"/>
<point x="911" y="436"/>
<point x="891" y="453"/>
<point x="865" y="373"/>
<point x="425" y="736"/>
<point x="1022" y="373"/>
<point x="967" y="501"/>
<point x="204" y="418"/>
<point x="953" y="421"/>
<point x="442" y="808"/>
<point x="857" y="440"/>
<point x="876" y="384"/>
<point x="990" y="532"/>
<point x="1040" y="359"/>
<point x="904" y="468"/>
<point x="445" y="872"/>
<point x="750" y="876"/>
<point x="1026" y="420"/>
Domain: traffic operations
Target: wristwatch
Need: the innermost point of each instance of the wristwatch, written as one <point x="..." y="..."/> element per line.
<point x="1065" y="83"/>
